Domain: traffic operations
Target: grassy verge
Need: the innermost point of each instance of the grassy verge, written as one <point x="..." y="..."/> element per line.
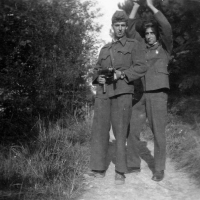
<point x="51" y="168"/>
<point x="183" y="147"/>
<point x="183" y="135"/>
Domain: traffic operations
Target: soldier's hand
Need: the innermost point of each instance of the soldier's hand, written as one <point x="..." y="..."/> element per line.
<point x="118" y="74"/>
<point x="136" y="2"/>
<point x="149" y="2"/>
<point x="101" y="79"/>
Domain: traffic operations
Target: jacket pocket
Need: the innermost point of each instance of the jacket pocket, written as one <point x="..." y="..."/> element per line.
<point x="123" y="59"/>
<point x="104" y="56"/>
<point x="124" y="51"/>
<point x="105" y="61"/>
<point x="161" y="66"/>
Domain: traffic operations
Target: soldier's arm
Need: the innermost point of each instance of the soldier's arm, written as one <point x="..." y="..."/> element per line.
<point x="133" y="19"/>
<point x="134" y="9"/>
<point x="165" y="30"/>
<point x="138" y="67"/>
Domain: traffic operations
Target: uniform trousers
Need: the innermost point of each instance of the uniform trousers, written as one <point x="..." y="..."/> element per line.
<point x="115" y="111"/>
<point x="152" y="105"/>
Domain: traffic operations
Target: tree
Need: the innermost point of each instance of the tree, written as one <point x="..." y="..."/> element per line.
<point x="44" y="51"/>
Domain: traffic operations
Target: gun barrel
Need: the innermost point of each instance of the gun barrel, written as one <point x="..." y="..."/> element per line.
<point x="108" y="71"/>
<point x="104" y="88"/>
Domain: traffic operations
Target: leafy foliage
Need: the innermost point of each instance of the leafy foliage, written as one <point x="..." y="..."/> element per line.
<point x="184" y="17"/>
<point x="44" y="57"/>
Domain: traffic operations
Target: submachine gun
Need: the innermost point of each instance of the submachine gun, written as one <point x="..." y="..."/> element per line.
<point x="108" y="74"/>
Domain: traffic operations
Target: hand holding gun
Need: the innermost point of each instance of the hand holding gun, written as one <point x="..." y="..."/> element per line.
<point x="106" y="75"/>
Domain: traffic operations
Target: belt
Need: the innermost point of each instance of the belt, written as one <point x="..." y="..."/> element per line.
<point x="166" y="90"/>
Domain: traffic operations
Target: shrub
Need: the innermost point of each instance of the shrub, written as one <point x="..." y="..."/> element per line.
<point x="46" y="50"/>
<point x="53" y="169"/>
<point x="183" y="146"/>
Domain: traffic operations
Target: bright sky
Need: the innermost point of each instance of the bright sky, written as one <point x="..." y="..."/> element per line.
<point x="108" y="7"/>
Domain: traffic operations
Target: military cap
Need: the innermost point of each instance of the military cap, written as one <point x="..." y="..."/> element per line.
<point x="119" y="16"/>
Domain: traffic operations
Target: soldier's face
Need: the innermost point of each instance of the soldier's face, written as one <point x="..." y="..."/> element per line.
<point x="150" y="36"/>
<point x="119" y="29"/>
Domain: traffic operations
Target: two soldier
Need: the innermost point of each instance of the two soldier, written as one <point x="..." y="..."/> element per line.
<point x="130" y="59"/>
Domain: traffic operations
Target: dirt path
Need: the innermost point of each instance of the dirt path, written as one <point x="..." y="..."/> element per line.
<point x="175" y="186"/>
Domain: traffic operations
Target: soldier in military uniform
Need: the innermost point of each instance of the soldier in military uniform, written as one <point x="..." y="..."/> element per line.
<point x="113" y="100"/>
<point x="156" y="36"/>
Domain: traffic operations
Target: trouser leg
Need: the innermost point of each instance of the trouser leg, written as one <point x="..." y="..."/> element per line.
<point x="120" y="119"/>
<point x="138" y="119"/>
<point x="100" y="134"/>
<point x="156" y="105"/>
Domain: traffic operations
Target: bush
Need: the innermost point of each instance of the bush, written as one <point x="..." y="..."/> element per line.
<point x="183" y="146"/>
<point x="52" y="169"/>
<point x="45" y="56"/>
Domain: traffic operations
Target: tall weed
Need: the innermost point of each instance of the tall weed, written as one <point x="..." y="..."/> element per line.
<point x="183" y="147"/>
<point x="51" y="169"/>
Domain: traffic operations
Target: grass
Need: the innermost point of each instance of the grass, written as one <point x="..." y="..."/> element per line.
<point x="183" y="147"/>
<point x="183" y="135"/>
<point x="52" y="168"/>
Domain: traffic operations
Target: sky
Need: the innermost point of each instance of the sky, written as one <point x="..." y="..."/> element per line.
<point x="108" y="7"/>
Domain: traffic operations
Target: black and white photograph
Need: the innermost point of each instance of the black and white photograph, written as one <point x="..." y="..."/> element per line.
<point x="99" y="99"/>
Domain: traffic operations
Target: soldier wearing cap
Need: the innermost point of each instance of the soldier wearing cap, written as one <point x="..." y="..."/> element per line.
<point x="113" y="100"/>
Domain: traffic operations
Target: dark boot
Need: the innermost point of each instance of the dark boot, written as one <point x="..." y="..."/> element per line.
<point x="119" y="178"/>
<point x="158" y="175"/>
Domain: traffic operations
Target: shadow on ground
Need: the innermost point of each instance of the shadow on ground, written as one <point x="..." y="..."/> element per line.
<point x="144" y="152"/>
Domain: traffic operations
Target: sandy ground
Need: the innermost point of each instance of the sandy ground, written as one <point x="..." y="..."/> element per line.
<point x="175" y="186"/>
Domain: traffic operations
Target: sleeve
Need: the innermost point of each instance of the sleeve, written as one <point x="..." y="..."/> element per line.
<point x="165" y="31"/>
<point x="96" y="68"/>
<point x="131" y="31"/>
<point x="139" y="66"/>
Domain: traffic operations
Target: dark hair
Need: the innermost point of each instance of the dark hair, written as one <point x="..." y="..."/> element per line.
<point x="150" y="24"/>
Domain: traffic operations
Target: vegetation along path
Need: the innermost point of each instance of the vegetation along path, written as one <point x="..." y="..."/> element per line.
<point x="176" y="184"/>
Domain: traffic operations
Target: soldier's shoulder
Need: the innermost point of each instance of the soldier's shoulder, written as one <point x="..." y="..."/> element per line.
<point x="107" y="45"/>
<point x="135" y="43"/>
<point x="132" y="40"/>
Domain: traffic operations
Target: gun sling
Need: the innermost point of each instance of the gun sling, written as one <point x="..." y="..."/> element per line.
<point x="112" y="65"/>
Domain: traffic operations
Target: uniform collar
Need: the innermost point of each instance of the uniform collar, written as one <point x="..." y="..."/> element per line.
<point x="121" y="40"/>
<point x="155" y="46"/>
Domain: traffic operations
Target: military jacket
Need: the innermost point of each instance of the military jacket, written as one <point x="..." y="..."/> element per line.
<point x="157" y="57"/>
<point x="129" y="57"/>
